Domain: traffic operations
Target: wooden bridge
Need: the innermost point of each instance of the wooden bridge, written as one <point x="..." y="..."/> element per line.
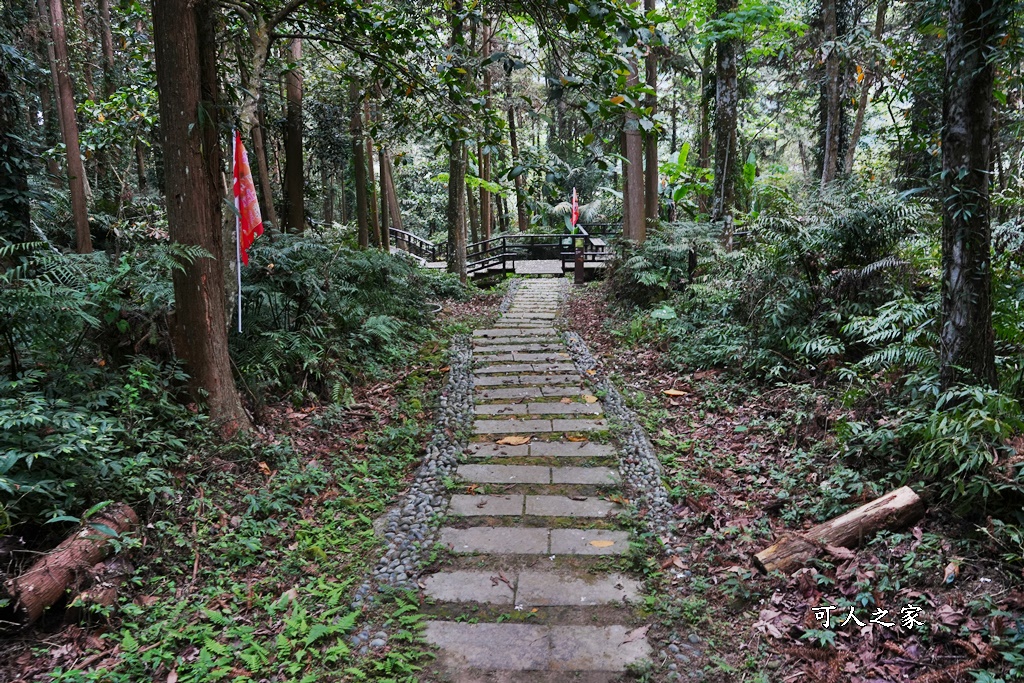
<point x="519" y="253"/>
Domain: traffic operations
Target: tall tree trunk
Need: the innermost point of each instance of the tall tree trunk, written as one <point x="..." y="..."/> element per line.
<point x="15" y="214"/>
<point x="294" y="176"/>
<point x="86" y="48"/>
<point x="485" y="159"/>
<point x="651" y="184"/>
<point x="50" y="132"/>
<point x="634" y="224"/>
<point x="456" y="214"/>
<point x="474" y="215"/>
<point x="327" y="198"/>
<point x="343" y="202"/>
<point x="388" y="170"/>
<point x="385" y="207"/>
<point x="707" y="96"/>
<point x="865" y="90"/>
<point x="831" y="106"/>
<point x="967" y="347"/>
<point x="140" y="165"/>
<point x="502" y="213"/>
<point x="513" y="139"/>
<point x="69" y="128"/>
<point x="266" y="188"/>
<point x="727" y="96"/>
<point x="375" y="227"/>
<point x="192" y="170"/>
<point x="107" y="45"/>
<point x="359" y="166"/>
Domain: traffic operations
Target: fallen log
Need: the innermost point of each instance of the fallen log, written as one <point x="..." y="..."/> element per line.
<point x="894" y="510"/>
<point x="48" y="579"/>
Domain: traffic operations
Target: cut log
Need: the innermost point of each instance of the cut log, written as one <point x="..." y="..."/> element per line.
<point x="48" y="579"/>
<point x="894" y="510"/>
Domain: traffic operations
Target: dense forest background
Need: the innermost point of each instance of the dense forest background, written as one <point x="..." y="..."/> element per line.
<point x="825" y="196"/>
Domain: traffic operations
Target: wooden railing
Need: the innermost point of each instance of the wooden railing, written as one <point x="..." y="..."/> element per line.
<point x="416" y="245"/>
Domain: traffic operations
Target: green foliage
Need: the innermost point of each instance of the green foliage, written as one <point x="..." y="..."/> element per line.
<point x="316" y="314"/>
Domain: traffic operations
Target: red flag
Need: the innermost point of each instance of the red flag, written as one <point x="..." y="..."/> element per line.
<point x="250" y="222"/>
<point x="575" y="208"/>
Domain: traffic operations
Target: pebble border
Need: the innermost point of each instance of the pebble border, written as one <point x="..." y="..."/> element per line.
<point x="641" y="472"/>
<point x="413" y="522"/>
<point x="506" y="302"/>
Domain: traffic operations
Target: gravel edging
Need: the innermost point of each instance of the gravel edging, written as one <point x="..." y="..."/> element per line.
<point x="641" y="472"/>
<point x="506" y="302"/>
<point x="411" y="524"/>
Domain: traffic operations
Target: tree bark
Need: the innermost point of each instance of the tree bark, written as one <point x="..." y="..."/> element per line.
<point x="832" y="107"/>
<point x="456" y="213"/>
<point x="192" y="172"/>
<point x="651" y="186"/>
<point x="967" y="346"/>
<point x="86" y="54"/>
<point x="514" y="142"/>
<point x="396" y="213"/>
<point x="359" y="164"/>
<point x="294" y="175"/>
<point x="634" y="223"/>
<point x="107" y="45"/>
<point x="140" y="165"/>
<point x="707" y="96"/>
<point x="727" y="96"/>
<point x="327" y="198"/>
<point x="865" y="90"/>
<point x="385" y="207"/>
<point x="485" y="159"/>
<point x="375" y="227"/>
<point x="47" y="580"/>
<point x="895" y="510"/>
<point x="69" y="128"/>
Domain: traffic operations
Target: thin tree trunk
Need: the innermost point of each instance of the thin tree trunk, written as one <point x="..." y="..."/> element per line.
<point x="69" y="127"/>
<point x="865" y="90"/>
<point x="192" y="168"/>
<point x="375" y="227"/>
<point x="266" y="188"/>
<point x="342" y="199"/>
<point x="87" y="61"/>
<point x="140" y="165"/>
<point x="327" y="198"/>
<point x="456" y="214"/>
<point x="651" y="184"/>
<point x="359" y="164"/>
<point x="502" y="214"/>
<point x="474" y="215"/>
<point x="294" y="175"/>
<point x="50" y="133"/>
<point x="704" y="145"/>
<point x="107" y="44"/>
<point x="634" y="224"/>
<point x="396" y="212"/>
<point x="726" y="115"/>
<point x="967" y="346"/>
<point x="485" y="159"/>
<point x="385" y="208"/>
<point x="15" y="213"/>
<point x="832" y="106"/>
<point x="514" y="142"/>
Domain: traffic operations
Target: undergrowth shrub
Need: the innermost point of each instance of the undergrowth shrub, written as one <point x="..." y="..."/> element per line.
<point x="316" y="314"/>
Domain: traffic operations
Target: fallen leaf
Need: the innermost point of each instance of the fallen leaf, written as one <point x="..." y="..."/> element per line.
<point x="951" y="572"/>
<point x="591" y="372"/>
<point x="514" y="440"/>
<point x="589" y="399"/>
<point x="674" y="392"/>
<point x="840" y="553"/>
<point x="566" y="400"/>
<point x="446" y="368"/>
<point x="265" y="468"/>
<point x="172" y="677"/>
<point x="574" y="438"/>
<point x="580" y="498"/>
<point x="636" y="634"/>
<point x="602" y="544"/>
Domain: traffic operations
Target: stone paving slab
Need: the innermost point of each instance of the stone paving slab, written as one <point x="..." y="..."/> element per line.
<point x="556" y="408"/>
<point x="579" y="425"/>
<point x="582" y="449"/>
<point x="485" y="506"/>
<point x="468" y="586"/>
<point x="517" y="647"/>
<point x="562" y="391"/>
<point x="495" y="540"/>
<point x="516" y="357"/>
<point x="509" y="368"/>
<point x="548" y="379"/>
<point x="531" y="647"/>
<point x="589" y="542"/>
<point x="495" y="450"/>
<point x="513" y="332"/>
<point x="517" y="340"/>
<point x="597" y="476"/>
<point x="564" y="506"/>
<point x="500" y="409"/>
<point x="595" y="648"/>
<point x="505" y="474"/>
<point x="540" y="589"/>
<point x="512" y="426"/>
<point x="509" y="393"/>
<point x="516" y="348"/>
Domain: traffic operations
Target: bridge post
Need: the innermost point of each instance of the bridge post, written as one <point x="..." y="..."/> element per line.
<point x="578" y="269"/>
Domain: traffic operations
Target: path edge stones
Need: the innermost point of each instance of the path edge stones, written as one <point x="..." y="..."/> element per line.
<point x="638" y="464"/>
<point x="411" y="525"/>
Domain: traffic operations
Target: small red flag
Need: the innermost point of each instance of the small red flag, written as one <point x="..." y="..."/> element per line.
<point x="250" y="222"/>
<point x="575" y="208"/>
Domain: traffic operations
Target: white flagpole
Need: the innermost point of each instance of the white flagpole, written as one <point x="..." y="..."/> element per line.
<point x="238" y="224"/>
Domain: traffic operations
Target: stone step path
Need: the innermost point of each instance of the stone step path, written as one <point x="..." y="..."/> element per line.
<point x="535" y="547"/>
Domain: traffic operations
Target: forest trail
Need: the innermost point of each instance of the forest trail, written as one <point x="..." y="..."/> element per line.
<point x="535" y="585"/>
